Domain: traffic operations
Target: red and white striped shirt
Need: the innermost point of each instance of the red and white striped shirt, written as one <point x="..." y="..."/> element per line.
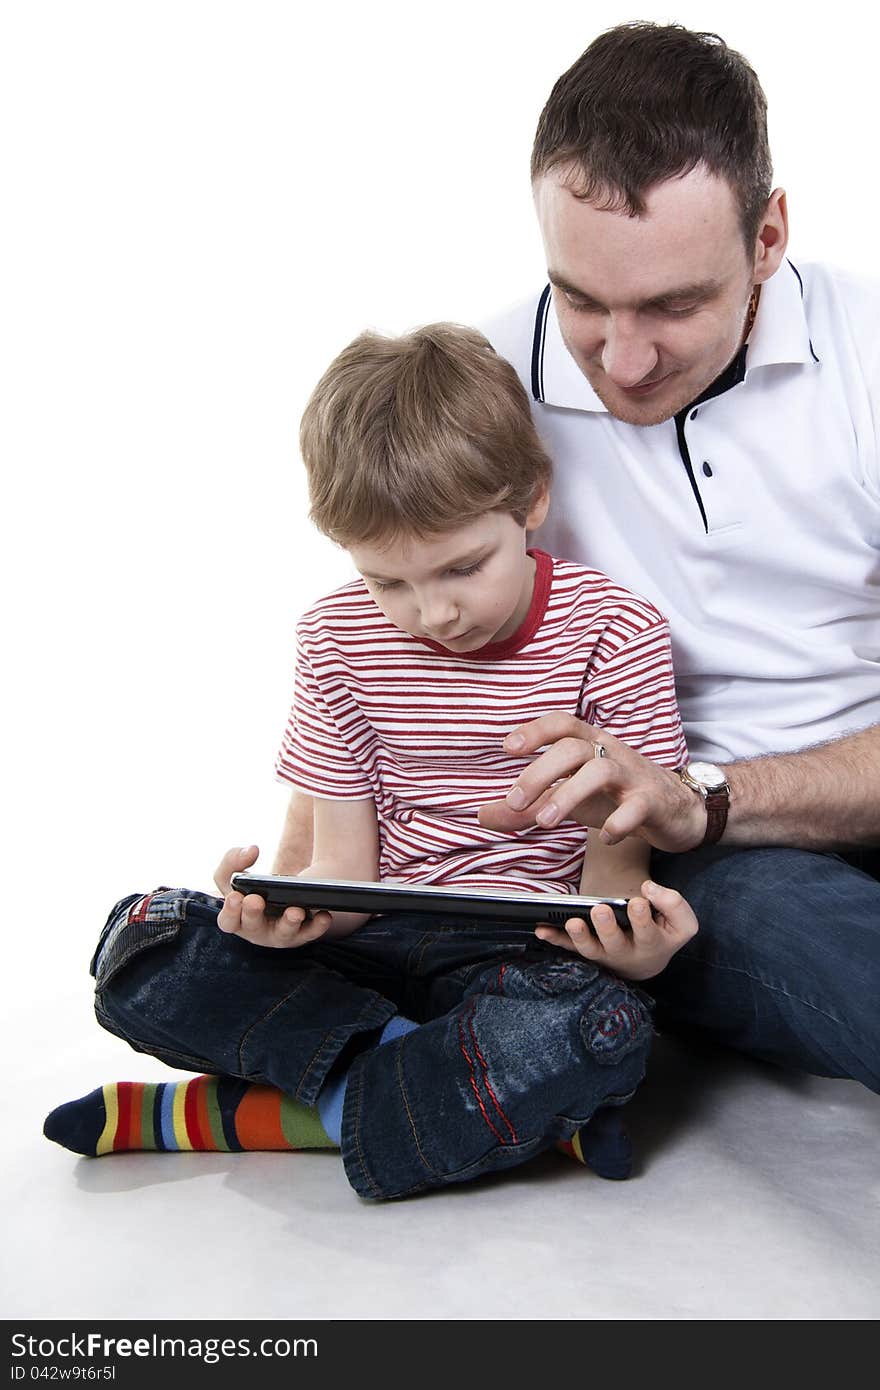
<point x="378" y="713"/>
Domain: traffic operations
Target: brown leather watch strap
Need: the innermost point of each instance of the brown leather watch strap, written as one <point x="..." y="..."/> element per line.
<point x="717" y="806"/>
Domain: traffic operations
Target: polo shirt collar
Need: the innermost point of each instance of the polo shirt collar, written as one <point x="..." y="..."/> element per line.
<point x="779" y="335"/>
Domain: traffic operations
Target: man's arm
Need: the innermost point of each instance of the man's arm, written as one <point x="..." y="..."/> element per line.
<point x="827" y="797"/>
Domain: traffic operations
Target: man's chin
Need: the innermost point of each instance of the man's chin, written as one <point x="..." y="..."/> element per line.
<point x="652" y="408"/>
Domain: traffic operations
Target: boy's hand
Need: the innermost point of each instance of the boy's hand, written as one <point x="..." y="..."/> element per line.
<point x="234" y="861"/>
<point x="247" y="916"/>
<point x="641" y="953"/>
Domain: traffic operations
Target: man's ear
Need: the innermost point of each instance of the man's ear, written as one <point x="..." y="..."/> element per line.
<point x="772" y="237"/>
<point x="538" y="509"/>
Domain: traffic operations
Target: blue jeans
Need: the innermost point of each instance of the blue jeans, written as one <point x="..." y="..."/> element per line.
<point x="786" y="964"/>
<point x="520" y="1042"/>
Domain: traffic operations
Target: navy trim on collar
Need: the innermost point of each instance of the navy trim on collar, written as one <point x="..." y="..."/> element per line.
<point x="801" y="283"/>
<point x="538" y="345"/>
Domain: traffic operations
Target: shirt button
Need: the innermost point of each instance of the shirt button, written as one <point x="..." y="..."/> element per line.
<point x="693" y="415"/>
<point x="707" y="470"/>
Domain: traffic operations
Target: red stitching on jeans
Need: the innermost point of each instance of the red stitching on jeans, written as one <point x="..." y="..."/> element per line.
<point x="138" y="911"/>
<point x="485" y="1067"/>
<point x="612" y="1025"/>
<point x="464" y="1053"/>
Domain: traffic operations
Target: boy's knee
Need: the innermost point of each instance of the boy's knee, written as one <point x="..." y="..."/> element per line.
<point x="136" y="924"/>
<point x="612" y="1018"/>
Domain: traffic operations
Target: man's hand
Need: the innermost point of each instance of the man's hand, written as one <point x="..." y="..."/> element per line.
<point x="620" y="794"/>
<point x="640" y="953"/>
<point x="247" y="916"/>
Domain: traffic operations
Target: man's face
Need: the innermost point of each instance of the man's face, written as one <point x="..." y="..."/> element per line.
<point x="463" y="588"/>
<point x="651" y="308"/>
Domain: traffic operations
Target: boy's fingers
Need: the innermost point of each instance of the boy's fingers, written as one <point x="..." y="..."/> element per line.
<point x="668" y="900"/>
<point x="639" y="913"/>
<point x="233" y="862"/>
<point x="253" y="910"/>
<point x="584" y="941"/>
<point x="313" y="928"/>
<point x="678" y="912"/>
<point x="607" y="930"/>
<point x="555" y="937"/>
<point x="229" y="916"/>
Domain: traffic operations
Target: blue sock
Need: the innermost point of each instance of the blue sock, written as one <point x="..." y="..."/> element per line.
<point x="333" y="1093"/>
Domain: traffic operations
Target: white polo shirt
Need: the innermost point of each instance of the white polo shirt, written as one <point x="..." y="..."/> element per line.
<point x="752" y="520"/>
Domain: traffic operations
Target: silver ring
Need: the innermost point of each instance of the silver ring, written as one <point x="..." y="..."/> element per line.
<point x="599" y="750"/>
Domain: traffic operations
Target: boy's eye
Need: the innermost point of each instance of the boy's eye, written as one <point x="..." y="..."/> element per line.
<point x="471" y="569"/>
<point x="386" y="584"/>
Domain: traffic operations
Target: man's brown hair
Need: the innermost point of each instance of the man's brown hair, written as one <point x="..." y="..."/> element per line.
<point x="418" y="434"/>
<point x="649" y="102"/>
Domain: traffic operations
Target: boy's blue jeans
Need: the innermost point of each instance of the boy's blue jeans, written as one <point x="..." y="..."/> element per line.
<point x="786" y="964"/>
<point x="521" y="1042"/>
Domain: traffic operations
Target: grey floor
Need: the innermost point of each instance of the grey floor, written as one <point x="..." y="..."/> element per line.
<point x="756" y="1198"/>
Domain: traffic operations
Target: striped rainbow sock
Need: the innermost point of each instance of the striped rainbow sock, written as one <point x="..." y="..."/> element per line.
<point x="208" y="1113"/>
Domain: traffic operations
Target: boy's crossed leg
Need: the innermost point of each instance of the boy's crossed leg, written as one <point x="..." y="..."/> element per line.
<point x="172" y="952"/>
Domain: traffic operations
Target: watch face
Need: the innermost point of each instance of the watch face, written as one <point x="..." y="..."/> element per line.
<point x="707" y="774"/>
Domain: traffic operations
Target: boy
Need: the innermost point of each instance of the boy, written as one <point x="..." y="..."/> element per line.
<point x="430" y="1050"/>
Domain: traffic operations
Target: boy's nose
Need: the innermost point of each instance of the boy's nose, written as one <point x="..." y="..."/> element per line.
<point x="439" y="617"/>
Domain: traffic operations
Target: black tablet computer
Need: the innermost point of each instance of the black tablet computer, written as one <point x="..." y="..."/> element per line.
<point x="344" y="895"/>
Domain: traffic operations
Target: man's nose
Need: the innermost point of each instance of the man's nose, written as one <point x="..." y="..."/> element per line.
<point x="628" y="355"/>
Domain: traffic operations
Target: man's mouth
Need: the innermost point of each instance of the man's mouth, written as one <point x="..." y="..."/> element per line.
<point x="645" y="388"/>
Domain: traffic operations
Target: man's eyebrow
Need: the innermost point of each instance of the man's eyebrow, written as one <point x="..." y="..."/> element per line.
<point x="697" y="293"/>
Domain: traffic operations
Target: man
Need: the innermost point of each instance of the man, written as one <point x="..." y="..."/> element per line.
<point x="712" y="413"/>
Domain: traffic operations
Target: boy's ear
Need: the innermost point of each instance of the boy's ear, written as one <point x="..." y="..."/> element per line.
<point x="538" y="509"/>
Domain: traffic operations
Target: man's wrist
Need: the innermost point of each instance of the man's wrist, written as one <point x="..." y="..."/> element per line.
<point x="710" y="789"/>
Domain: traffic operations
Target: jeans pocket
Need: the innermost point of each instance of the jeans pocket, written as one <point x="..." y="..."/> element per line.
<point x="136" y="924"/>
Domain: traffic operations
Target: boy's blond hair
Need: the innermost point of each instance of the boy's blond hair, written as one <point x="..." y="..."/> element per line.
<point x="419" y="434"/>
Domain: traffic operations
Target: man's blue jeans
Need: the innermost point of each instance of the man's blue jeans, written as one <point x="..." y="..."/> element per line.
<point x="520" y="1041"/>
<point x="786" y="964"/>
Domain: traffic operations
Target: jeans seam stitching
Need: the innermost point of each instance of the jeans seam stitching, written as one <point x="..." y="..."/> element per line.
<point x="356" y="1134"/>
<point x="323" y="1046"/>
<point x="279" y="1003"/>
<point x="414" y="962"/>
<point x="776" y="989"/>
<point x="400" y="1081"/>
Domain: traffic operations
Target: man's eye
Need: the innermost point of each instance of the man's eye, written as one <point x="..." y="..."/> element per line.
<point x="582" y="307"/>
<point x="471" y="569"/>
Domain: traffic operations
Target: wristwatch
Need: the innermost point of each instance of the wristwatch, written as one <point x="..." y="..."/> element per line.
<point x="711" y="784"/>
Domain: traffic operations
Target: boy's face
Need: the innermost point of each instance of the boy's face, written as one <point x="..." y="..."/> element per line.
<point x="462" y="588"/>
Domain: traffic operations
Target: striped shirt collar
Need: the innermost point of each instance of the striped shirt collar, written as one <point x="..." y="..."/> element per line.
<point x="780" y="335"/>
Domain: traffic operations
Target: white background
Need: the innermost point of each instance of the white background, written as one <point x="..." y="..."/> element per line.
<point x="203" y="203"/>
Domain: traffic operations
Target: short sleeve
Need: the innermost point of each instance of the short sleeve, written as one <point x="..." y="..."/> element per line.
<point x="630" y="692"/>
<point x="326" y="741"/>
